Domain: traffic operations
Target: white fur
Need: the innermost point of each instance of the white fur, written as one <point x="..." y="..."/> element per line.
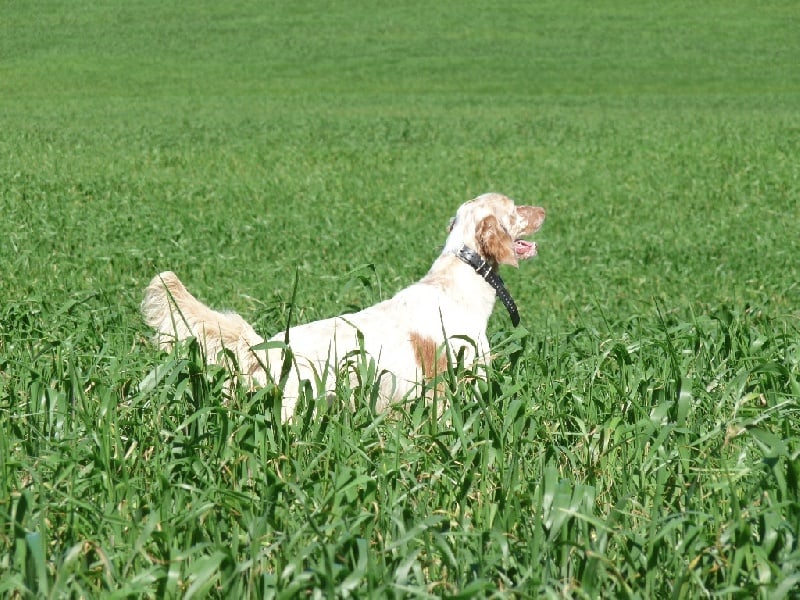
<point x="450" y="303"/>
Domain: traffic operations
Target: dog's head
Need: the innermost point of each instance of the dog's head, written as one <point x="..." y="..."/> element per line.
<point x="494" y="226"/>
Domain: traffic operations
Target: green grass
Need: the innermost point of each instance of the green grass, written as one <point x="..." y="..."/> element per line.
<point x="638" y="437"/>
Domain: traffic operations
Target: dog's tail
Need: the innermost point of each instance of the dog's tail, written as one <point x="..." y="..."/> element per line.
<point x="176" y="315"/>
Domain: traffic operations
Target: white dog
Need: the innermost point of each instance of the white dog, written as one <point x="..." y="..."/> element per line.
<point x="410" y="337"/>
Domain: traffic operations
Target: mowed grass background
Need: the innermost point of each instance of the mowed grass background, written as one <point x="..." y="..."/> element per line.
<point x="637" y="437"/>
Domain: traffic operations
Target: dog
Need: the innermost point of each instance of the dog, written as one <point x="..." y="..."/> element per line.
<point x="411" y="337"/>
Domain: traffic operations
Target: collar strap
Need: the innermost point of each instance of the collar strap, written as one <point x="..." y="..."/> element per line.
<point x="490" y="276"/>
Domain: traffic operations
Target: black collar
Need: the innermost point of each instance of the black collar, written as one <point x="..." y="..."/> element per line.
<point x="490" y="276"/>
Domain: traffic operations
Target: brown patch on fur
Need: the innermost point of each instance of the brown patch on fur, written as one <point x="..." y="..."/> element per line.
<point x="494" y="242"/>
<point x="534" y="217"/>
<point x="431" y="362"/>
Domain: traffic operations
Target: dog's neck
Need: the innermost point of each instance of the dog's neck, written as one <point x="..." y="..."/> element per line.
<point x="489" y="274"/>
<point x="474" y="283"/>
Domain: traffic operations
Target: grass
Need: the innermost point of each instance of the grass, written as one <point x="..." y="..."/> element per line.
<point x="638" y="437"/>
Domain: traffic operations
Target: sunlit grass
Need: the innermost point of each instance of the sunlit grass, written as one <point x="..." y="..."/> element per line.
<point x="648" y="459"/>
<point x="637" y="437"/>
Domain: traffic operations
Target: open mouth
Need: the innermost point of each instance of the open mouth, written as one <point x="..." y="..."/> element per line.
<point x="524" y="248"/>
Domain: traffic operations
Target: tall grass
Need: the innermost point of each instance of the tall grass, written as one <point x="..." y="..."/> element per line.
<point x="637" y="437"/>
<point x="653" y="458"/>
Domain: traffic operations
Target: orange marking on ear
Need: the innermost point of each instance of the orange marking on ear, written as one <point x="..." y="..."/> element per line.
<point x="494" y="243"/>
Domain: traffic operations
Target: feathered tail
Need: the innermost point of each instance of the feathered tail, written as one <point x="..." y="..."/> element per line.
<point x="175" y="314"/>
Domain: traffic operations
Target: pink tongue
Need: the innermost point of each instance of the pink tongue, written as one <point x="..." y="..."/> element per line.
<point x="524" y="249"/>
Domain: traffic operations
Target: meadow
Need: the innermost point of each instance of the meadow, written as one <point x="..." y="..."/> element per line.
<point x="638" y="436"/>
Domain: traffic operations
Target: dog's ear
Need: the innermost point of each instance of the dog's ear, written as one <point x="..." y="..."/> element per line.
<point x="494" y="242"/>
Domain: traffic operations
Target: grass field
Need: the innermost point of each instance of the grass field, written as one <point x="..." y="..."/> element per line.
<point x="638" y="435"/>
